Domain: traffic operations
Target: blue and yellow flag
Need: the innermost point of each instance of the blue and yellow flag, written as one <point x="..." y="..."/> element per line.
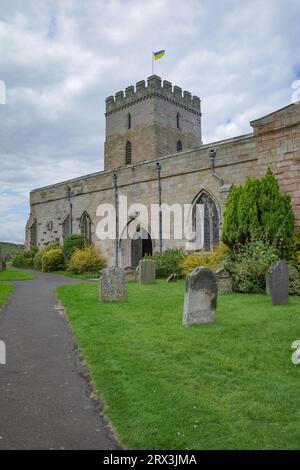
<point x="158" y="55"/>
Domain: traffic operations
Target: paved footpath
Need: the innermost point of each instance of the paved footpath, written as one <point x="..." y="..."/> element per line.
<point x="44" y="398"/>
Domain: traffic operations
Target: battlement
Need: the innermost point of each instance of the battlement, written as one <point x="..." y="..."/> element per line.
<point x="154" y="88"/>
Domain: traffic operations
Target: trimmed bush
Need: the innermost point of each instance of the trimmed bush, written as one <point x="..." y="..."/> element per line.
<point x="249" y="264"/>
<point x="71" y="243"/>
<point x="86" y="260"/>
<point x="168" y="262"/>
<point x="258" y="208"/>
<point x="52" y="260"/>
<point x="212" y="260"/>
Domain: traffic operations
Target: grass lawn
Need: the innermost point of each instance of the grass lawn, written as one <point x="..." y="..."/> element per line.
<point x="6" y="290"/>
<point x="14" y="275"/>
<point x="77" y="276"/>
<point x="227" y="385"/>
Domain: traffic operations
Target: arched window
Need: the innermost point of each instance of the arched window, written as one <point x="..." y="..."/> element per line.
<point x="128" y="153"/>
<point x="178" y="120"/>
<point x="210" y="223"/>
<point x="128" y="121"/>
<point x="179" y="145"/>
<point x="86" y="226"/>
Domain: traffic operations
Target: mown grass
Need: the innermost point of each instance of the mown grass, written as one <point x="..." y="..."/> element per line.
<point x="227" y="385"/>
<point x="77" y="276"/>
<point x="14" y="275"/>
<point x="6" y="290"/>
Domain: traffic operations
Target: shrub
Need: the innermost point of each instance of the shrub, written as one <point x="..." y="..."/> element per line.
<point x="207" y="259"/>
<point x="168" y="262"/>
<point x="248" y="265"/>
<point x="294" y="255"/>
<point x="86" y="260"/>
<point x="258" y="208"/>
<point x="71" y="243"/>
<point x="22" y="260"/>
<point x="294" y="281"/>
<point x="52" y="260"/>
<point x="25" y="259"/>
<point x="37" y="261"/>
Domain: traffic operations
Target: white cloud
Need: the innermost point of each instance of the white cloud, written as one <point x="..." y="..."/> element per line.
<point x="60" y="59"/>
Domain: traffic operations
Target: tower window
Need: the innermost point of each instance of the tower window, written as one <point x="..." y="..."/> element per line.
<point x="178" y="120"/>
<point x="128" y="121"/>
<point x="128" y="153"/>
<point x="179" y="145"/>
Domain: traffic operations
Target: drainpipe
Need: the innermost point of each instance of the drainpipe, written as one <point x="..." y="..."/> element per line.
<point x="158" y="171"/>
<point x="115" y="183"/>
<point x="212" y="157"/>
<point x="70" y="210"/>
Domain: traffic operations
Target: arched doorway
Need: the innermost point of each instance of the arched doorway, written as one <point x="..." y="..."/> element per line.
<point x="210" y="228"/>
<point x="135" y="244"/>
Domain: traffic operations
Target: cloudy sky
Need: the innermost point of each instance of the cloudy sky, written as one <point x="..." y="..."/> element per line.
<point x="60" y="59"/>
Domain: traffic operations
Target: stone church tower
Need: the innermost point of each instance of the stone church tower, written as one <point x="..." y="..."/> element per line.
<point x="149" y="122"/>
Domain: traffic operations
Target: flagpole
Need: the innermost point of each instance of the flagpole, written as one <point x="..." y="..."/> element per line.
<point x="152" y="63"/>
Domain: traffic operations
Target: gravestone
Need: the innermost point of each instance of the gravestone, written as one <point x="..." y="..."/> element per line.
<point x="279" y="283"/>
<point x="224" y="281"/>
<point x="200" y="301"/>
<point x="2" y="262"/>
<point x="146" y="271"/>
<point x="113" y="285"/>
<point x="130" y="273"/>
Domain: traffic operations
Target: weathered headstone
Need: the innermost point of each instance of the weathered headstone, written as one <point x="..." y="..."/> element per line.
<point x="113" y="285"/>
<point x="130" y="273"/>
<point x="146" y="271"/>
<point x="279" y="283"/>
<point x="200" y="301"/>
<point x="2" y="261"/>
<point x="173" y="277"/>
<point x="224" y="281"/>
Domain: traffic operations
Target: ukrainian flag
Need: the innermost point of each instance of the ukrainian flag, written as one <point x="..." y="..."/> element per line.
<point x="158" y="55"/>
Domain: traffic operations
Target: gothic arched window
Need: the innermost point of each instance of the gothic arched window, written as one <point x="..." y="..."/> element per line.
<point x="86" y="226"/>
<point x="128" y="153"/>
<point x="128" y="121"/>
<point x="210" y="223"/>
<point x="178" y="120"/>
<point x="179" y="146"/>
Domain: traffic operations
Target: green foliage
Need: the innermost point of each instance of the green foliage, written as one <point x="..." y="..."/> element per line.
<point x="25" y="259"/>
<point x="248" y="265"/>
<point x="294" y="280"/>
<point x="52" y="260"/>
<point x="37" y="261"/>
<point x="258" y="208"/>
<point x="168" y="262"/>
<point x="86" y="260"/>
<point x="294" y="255"/>
<point x="206" y="259"/>
<point x="71" y="243"/>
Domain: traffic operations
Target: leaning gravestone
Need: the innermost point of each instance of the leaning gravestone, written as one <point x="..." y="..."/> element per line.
<point x="146" y="271"/>
<point x="113" y="285"/>
<point x="200" y="301"/>
<point x="130" y="273"/>
<point x="279" y="283"/>
<point x="224" y="281"/>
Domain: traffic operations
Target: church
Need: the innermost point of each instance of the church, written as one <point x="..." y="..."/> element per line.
<point x="154" y="154"/>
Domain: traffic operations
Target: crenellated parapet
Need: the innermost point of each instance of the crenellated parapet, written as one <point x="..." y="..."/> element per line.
<point x="154" y="88"/>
